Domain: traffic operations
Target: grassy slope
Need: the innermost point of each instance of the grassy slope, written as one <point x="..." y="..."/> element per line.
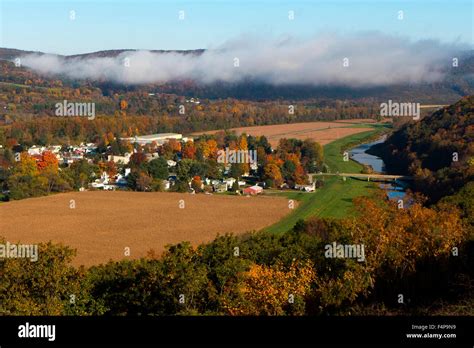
<point x="334" y="199"/>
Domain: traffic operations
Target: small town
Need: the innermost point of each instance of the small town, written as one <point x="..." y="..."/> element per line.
<point x="172" y="162"/>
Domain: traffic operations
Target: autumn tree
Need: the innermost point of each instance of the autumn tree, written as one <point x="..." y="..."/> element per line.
<point x="196" y="184"/>
<point x="312" y="155"/>
<point x="274" y="290"/>
<point x="123" y="107"/>
<point x="138" y="161"/>
<point x="273" y="175"/>
<point x="25" y="179"/>
<point x="144" y="182"/>
<point x="189" y="150"/>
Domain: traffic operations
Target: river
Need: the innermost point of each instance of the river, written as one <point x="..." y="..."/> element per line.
<point x="395" y="190"/>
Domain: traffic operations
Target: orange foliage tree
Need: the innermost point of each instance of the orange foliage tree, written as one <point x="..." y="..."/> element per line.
<point x="48" y="161"/>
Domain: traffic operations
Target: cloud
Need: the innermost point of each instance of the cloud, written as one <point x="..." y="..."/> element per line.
<point x="373" y="59"/>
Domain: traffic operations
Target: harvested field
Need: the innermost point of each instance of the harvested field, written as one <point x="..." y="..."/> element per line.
<point x="103" y="223"/>
<point x="322" y="132"/>
<point x="365" y="120"/>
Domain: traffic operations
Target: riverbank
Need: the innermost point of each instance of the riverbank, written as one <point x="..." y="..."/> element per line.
<point x="334" y="199"/>
<point x="362" y="154"/>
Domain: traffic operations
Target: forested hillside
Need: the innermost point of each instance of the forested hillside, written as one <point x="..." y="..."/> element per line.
<point x="438" y="150"/>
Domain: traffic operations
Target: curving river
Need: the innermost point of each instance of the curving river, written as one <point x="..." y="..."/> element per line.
<point x="395" y="190"/>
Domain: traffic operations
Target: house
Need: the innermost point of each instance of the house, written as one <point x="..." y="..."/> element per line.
<point x="35" y="150"/>
<point x="109" y="187"/>
<point x="172" y="179"/>
<point x="71" y="158"/>
<point x="54" y="148"/>
<point x="229" y="182"/>
<point x="220" y="187"/>
<point x="119" y="159"/>
<point x="151" y="156"/>
<point x="166" y="185"/>
<point x="253" y="190"/>
<point x="307" y="188"/>
<point x="102" y="182"/>
<point x="121" y="180"/>
<point x="90" y="148"/>
<point x="171" y="163"/>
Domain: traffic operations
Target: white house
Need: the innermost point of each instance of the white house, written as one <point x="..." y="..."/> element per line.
<point x="166" y="185"/>
<point x="307" y="188"/>
<point x="229" y="182"/>
<point x="120" y="159"/>
<point x="102" y="182"/>
<point x="35" y="150"/>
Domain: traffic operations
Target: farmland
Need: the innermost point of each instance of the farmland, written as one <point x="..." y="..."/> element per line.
<point x="102" y="224"/>
<point x="322" y="132"/>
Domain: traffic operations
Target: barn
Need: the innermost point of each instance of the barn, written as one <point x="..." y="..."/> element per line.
<point x="253" y="190"/>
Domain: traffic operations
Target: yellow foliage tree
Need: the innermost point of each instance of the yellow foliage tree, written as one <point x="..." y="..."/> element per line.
<point x="273" y="290"/>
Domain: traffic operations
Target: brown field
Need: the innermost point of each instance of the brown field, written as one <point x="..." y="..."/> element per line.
<point x="322" y="132"/>
<point x="357" y="120"/>
<point x="104" y="223"/>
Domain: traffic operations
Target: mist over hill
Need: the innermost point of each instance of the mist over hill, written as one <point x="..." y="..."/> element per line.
<point x="422" y="71"/>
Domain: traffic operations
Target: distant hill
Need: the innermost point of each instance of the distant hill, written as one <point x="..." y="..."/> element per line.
<point x="458" y="83"/>
<point x="115" y="53"/>
<point x="10" y="53"/>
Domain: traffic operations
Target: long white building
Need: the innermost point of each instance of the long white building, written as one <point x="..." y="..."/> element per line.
<point x="159" y="138"/>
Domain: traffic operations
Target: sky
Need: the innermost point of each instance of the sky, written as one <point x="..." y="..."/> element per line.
<point x="50" y="26"/>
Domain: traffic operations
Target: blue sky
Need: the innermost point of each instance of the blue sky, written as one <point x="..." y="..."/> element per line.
<point x="154" y="24"/>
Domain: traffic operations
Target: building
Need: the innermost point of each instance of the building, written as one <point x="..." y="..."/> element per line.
<point x="102" y="182"/>
<point x="229" y="182"/>
<point x="151" y="156"/>
<point x="220" y="187"/>
<point x="119" y="159"/>
<point x="55" y="148"/>
<point x="159" y="138"/>
<point x="167" y="185"/>
<point x="307" y="188"/>
<point x="36" y="150"/>
<point x="253" y="190"/>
